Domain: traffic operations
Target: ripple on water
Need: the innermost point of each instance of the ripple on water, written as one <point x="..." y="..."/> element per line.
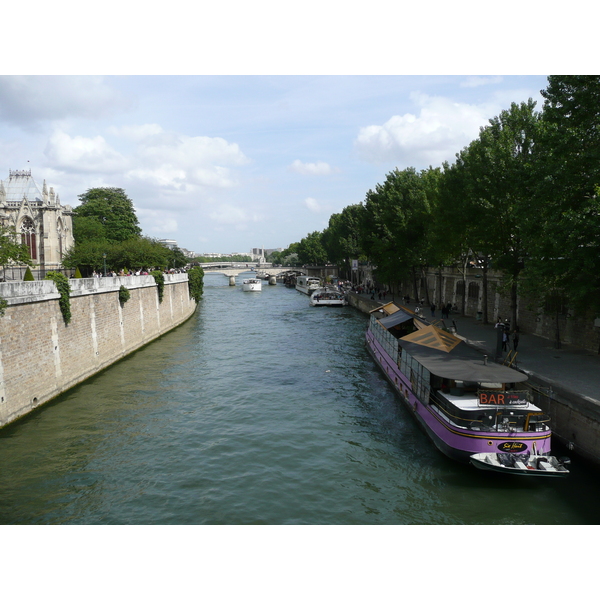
<point x="259" y="410"/>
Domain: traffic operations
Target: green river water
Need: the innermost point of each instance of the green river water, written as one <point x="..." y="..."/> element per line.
<point x="258" y="410"/>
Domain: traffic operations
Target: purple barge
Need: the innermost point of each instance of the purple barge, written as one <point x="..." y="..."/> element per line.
<point x="473" y="410"/>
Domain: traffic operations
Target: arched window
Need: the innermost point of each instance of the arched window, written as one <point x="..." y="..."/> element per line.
<point x="28" y="237"/>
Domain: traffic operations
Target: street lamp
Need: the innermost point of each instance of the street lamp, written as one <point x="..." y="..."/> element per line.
<point x="104" y="259"/>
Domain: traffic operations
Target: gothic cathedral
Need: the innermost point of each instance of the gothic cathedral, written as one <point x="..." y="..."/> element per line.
<point x="37" y="216"/>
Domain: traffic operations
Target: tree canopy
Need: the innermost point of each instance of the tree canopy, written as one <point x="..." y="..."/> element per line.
<point x="108" y="213"/>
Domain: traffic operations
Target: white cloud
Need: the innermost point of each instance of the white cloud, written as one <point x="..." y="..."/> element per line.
<point x="79" y="154"/>
<point x="313" y="205"/>
<point x="318" y="168"/>
<point x="157" y="223"/>
<point x="441" y="128"/>
<point x="173" y="160"/>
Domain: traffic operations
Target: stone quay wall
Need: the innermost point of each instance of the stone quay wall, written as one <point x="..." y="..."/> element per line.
<point x="41" y="357"/>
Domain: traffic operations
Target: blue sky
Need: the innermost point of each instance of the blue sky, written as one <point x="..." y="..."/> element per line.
<point x="227" y="163"/>
<point x="247" y="125"/>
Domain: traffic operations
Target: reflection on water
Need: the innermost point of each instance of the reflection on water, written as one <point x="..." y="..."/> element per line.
<point x="260" y="409"/>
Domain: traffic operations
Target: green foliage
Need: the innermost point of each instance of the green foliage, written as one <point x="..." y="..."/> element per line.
<point x="112" y="210"/>
<point x="11" y="250"/>
<point x="64" y="289"/>
<point x="196" y="283"/>
<point x="341" y="239"/>
<point x="77" y="273"/>
<point x="3" y="306"/>
<point x="133" y="254"/>
<point x="395" y="224"/>
<point x="234" y="258"/>
<point x="28" y="275"/>
<point x="88" y="228"/>
<point x="160" y="283"/>
<point x="124" y="294"/>
<point x="311" y="251"/>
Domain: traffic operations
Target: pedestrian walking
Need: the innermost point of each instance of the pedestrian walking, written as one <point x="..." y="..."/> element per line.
<point x="516" y="339"/>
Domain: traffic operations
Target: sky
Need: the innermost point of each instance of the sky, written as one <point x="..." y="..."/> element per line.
<point x="228" y="163"/>
<point x="247" y="125"/>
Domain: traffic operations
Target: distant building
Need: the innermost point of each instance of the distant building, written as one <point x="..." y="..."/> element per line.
<point x="44" y="225"/>
<point x="170" y="244"/>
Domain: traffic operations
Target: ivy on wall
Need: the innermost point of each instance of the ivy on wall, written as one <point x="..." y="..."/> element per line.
<point x="196" y="283"/>
<point x="124" y="294"/>
<point x="64" y="289"/>
<point x="160" y="283"/>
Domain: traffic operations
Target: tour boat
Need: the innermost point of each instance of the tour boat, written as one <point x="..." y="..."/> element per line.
<point x="307" y="285"/>
<point x="467" y="405"/>
<point x="252" y="285"/>
<point x="328" y="296"/>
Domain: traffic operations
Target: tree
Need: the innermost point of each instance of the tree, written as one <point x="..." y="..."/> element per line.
<point x="113" y="210"/>
<point x="11" y="250"/>
<point x="311" y="251"/>
<point x="341" y="239"/>
<point x="498" y="171"/>
<point x="567" y="224"/>
<point x="394" y="225"/>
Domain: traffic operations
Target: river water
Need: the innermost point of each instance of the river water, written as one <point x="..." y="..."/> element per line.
<point x="258" y="410"/>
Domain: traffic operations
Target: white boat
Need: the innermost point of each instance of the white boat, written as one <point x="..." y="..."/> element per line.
<point x="521" y="464"/>
<point x="328" y="296"/>
<point x="251" y="285"/>
<point x="307" y="285"/>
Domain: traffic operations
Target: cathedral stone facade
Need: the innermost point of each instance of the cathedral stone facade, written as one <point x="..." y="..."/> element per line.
<point x="37" y="216"/>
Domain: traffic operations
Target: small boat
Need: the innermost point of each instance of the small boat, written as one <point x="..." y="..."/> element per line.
<point x="328" y="296"/>
<point x="521" y="464"/>
<point x="468" y="407"/>
<point x="307" y="285"/>
<point x="252" y="285"/>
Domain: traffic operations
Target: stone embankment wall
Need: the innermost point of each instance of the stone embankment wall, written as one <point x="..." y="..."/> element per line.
<point x="41" y="357"/>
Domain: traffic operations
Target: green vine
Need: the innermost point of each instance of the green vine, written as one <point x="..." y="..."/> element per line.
<point x="64" y="289"/>
<point x="124" y="294"/>
<point x="3" y="305"/>
<point x="160" y="283"/>
<point x="196" y="283"/>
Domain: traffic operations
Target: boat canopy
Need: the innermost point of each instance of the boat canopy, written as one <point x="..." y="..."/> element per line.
<point x="396" y="315"/>
<point x="395" y="319"/>
<point x="447" y="356"/>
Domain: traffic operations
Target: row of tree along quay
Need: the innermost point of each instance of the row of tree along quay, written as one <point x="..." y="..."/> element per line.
<point x="521" y="199"/>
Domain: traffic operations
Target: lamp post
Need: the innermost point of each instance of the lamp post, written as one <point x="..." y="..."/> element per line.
<point x="104" y="259"/>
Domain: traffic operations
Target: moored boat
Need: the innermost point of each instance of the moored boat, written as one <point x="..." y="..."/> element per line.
<point x="521" y="464"/>
<point x="252" y="285"/>
<point x="467" y="405"/>
<point x="307" y="285"/>
<point x="328" y="296"/>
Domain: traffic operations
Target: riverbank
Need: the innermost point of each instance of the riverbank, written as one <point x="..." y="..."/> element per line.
<point x="570" y="378"/>
<point x="41" y="356"/>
